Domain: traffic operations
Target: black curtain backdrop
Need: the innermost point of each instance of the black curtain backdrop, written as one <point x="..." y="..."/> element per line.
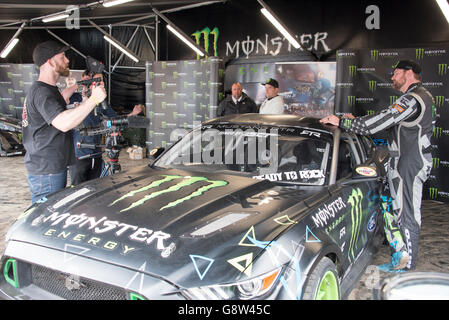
<point x="364" y="86"/>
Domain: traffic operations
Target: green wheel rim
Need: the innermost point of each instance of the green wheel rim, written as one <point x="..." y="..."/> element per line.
<point x="328" y="287"/>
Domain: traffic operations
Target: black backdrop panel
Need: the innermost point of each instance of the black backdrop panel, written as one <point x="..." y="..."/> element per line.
<point x="179" y="94"/>
<point x="364" y="86"/>
<point x="15" y="80"/>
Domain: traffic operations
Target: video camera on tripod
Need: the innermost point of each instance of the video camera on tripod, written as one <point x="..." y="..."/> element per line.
<point x="112" y="128"/>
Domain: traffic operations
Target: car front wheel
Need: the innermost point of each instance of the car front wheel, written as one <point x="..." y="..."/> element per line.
<point x="322" y="283"/>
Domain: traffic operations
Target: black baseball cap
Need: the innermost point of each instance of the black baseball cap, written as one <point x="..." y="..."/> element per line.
<point x="45" y="50"/>
<point x="409" y="65"/>
<point x="272" y="82"/>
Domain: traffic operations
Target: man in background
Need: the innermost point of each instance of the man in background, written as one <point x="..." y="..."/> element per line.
<point x="88" y="163"/>
<point x="274" y="103"/>
<point x="236" y="103"/>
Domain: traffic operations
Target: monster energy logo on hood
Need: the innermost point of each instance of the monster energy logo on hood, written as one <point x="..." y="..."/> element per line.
<point x="185" y="182"/>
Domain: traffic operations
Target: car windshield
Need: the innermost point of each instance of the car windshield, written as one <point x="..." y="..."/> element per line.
<point x="286" y="155"/>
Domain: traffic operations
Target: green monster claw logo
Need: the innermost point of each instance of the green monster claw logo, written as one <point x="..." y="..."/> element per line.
<point x="393" y="99"/>
<point x="439" y="101"/>
<point x="351" y="101"/>
<point x="206" y="32"/>
<point x="186" y="181"/>
<point x="433" y="192"/>
<point x="442" y="69"/>
<point x="436" y="162"/>
<point x="352" y="70"/>
<point x="374" y="55"/>
<point x="419" y="53"/>
<point x="355" y="199"/>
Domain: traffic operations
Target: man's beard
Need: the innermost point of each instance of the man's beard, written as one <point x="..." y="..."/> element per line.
<point x="62" y="71"/>
<point x="398" y="84"/>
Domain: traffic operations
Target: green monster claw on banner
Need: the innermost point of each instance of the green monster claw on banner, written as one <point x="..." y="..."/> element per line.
<point x="187" y="181"/>
<point x="206" y="32"/>
<point x="355" y="199"/>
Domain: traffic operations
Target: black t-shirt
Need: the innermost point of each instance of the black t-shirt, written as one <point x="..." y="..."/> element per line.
<point x="48" y="150"/>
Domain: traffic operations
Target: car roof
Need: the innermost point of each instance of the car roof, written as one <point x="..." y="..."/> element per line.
<point x="287" y="120"/>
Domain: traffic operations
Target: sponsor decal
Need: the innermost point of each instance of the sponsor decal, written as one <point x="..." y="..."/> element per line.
<point x="311" y="133"/>
<point x="186" y="181"/>
<point x="372" y="222"/>
<point x="355" y="200"/>
<point x="328" y="212"/>
<point x="292" y="175"/>
<point x="100" y="227"/>
<point x="366" y="171"/>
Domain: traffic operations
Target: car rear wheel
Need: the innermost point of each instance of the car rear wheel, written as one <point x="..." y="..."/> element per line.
<point x="323" y="282"/>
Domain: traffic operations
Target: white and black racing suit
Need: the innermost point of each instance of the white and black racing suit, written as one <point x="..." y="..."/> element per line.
<point x="409" y="122"/>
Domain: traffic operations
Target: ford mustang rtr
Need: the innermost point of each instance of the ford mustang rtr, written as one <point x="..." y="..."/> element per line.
<point x="241" y="207"/>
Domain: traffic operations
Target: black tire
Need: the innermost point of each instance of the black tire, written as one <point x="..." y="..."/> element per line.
<point x="324" y="269"/>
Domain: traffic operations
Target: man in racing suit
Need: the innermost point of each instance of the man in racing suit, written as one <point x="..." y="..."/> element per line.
<point x="409" y="123"/>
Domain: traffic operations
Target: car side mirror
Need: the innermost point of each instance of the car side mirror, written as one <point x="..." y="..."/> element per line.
<point x="156" y="152"/>
<point x="374" y="167"/>
<point x="380" y="158"/>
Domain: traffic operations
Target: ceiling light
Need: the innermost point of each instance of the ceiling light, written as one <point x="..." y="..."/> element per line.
<point x="114" y="2"/>
<point x="12" y="43"/>
<point x="180" y="34"/>
<point x="444" y="6"/>
<point x="55" y="17"/>
<point x="278" y="24"/>
<point x="9" y="47"/>
<point x="121" y="48"/>
<point x="115" y="42"/>
<point x="184" y="39"/>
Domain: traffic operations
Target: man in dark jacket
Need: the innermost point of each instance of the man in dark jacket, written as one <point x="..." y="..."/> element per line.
<point x="237" y="102"/>
<point x="409" y="122"/>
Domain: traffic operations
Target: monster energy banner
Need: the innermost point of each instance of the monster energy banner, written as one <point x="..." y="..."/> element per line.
<point x="179" y="93"/>
<point x="364" y="86"/>
<point x="15" y="80"/>
<point x="308" y="88"/>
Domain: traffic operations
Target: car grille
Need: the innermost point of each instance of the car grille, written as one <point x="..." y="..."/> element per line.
<point x="72" y="287"/>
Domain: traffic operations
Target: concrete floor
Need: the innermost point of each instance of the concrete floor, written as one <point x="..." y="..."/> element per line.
<point x="434" y="240"/>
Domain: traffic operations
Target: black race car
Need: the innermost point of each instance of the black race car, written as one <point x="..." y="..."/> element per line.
<point x="242" y="207"/>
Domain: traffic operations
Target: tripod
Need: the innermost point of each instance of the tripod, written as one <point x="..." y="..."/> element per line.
<point x="112" y="149"/>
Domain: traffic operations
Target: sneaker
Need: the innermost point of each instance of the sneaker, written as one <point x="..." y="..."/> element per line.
<point x="388" y="267"/>
<point x="400" y="260"/>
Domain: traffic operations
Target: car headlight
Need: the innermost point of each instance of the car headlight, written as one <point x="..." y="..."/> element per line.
<point x="245" y="290"/>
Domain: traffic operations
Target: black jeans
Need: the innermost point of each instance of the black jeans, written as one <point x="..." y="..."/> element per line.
<point x="84" y="170"/>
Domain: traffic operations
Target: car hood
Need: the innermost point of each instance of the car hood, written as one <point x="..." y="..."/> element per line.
<point x="178" y="223"/>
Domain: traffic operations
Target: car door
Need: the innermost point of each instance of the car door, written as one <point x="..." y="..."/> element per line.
<point x="356" y="224"/>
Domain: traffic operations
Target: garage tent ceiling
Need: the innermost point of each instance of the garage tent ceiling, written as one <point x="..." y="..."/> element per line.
<point x="137" y="12"/>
